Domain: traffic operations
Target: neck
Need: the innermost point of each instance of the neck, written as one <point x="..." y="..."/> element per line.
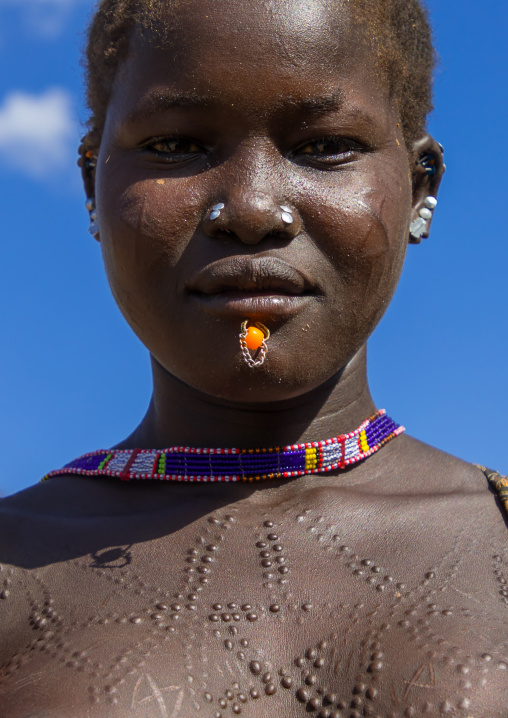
<point x="181" y="416"/>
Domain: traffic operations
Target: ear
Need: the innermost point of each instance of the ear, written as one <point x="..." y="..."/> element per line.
<point x="87" y="161"/>
<point x="428" y="170"/>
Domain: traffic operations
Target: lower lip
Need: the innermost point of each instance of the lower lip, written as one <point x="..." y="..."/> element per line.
<point x="256" y="305"/>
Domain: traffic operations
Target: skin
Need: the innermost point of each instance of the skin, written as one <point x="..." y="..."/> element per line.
<point x="130" y="600"/>
<point x="347" y="232"/>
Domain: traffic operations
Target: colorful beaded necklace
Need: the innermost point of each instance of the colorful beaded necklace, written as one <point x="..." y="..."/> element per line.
<point x="192" y="464"/>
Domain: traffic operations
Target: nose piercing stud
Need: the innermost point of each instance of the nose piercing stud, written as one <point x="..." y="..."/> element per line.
<point x="418" y="226"/>
<point x="215" y="212"/>
<point x="90" y="206"/>
<point x="253" y="339"/>
<point x="286" y="215"/>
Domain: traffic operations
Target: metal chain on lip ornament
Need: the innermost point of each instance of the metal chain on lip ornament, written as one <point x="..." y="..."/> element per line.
<point x="253" y="339"/>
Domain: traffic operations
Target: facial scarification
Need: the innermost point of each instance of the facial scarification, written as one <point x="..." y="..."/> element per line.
<point x="321" y="135"/>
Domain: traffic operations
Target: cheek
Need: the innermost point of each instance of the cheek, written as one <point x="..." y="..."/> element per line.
<point x="363" y="227"/>
<point x="145" y="230"/>
<point x="148" y="216"/>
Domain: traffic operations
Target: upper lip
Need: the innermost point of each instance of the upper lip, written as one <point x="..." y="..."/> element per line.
<point x="250" y="275"/>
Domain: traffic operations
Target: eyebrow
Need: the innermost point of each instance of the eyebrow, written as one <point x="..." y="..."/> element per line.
<point x="160" y="102"/>
<point x="321" y="105"/>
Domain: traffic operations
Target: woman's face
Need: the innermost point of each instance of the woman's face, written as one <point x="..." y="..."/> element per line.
<point x="258" y="106"/>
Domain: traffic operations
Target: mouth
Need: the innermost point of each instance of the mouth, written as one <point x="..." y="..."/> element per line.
<point x="252" y="286"/>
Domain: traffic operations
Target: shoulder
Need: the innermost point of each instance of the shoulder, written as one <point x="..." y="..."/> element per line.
<point x="39" y="524"/>
<point x="427" y="469"/>
<point x="410" y="478"/>
<point x="431" y="477"/>
<point x="27" y="520"/>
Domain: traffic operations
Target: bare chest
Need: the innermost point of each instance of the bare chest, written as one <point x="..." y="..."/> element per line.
<point x="281" y="613"/>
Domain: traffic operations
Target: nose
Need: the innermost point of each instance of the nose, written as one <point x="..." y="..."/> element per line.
<point x="251" y="218"/>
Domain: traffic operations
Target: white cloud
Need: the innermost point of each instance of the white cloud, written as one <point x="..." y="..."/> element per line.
<point x="38" y="133"/>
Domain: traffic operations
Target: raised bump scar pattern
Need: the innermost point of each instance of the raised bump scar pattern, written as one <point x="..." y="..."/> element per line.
<point x="215" y="639"/>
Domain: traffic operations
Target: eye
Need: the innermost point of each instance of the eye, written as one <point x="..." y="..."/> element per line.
<point x="174" y="149"/>
<point x="328" y="151"/>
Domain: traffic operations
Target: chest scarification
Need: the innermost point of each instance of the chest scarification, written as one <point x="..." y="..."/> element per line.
<point x="281" y="616"/>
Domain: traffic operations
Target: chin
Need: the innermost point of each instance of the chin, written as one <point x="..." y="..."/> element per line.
<point x="278" y="380"/>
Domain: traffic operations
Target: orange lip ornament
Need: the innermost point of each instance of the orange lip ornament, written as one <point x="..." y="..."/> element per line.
<point x="253" y="339"/>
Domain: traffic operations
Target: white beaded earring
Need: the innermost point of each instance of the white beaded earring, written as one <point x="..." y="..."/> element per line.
<point x="93" y="227"/>
<point x="418" y="226"/>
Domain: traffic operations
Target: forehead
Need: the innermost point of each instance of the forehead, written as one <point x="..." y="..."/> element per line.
<point x="297" y="27"/>
<point x="262" y="49"/>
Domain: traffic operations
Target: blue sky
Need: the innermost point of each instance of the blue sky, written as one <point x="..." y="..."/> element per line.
<point x="73" y="378"/>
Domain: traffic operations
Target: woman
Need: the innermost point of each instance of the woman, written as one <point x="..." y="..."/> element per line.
<point x="254" y="173"/>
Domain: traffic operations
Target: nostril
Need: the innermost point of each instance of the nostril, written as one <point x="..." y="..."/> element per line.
<point x="274" y="234"/>
<point x="252" y="222"/>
